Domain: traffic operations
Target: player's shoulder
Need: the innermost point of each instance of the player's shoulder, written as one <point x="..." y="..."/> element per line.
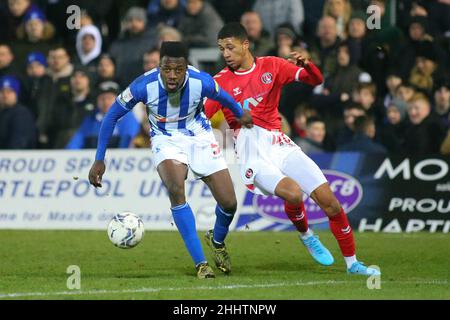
<point x="197" y="74"/>
<point x="222" y="75"/>
<point x="146" y="78"/>
<point x="271" y="60"/>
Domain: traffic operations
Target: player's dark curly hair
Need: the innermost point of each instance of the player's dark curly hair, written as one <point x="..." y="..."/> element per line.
<point x="174" y="49"/>
<point x="233" y="29"/>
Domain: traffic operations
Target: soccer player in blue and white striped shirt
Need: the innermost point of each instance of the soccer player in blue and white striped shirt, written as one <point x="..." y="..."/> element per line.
<point x="181" y="137"/>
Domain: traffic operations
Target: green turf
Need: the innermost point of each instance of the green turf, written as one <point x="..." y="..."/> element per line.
<point x="266" y="265"/>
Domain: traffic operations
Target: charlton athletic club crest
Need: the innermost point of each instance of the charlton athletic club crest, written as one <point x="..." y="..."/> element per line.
<point x="249" y="173"/>
<point x="266" y="78"/>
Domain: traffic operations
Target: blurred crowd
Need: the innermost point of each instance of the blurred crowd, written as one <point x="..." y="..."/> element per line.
<point x="386" y="89"/>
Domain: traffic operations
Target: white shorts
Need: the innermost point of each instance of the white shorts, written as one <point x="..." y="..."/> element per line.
<point x="201" y="152"/>
<point x="266" y="157"/>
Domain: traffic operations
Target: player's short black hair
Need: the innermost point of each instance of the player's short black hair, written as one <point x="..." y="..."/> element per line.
<point x="233" y="29"/>
<point x="174" y="49"/>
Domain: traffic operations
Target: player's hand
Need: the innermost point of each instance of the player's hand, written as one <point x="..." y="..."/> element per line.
<point x="297" y="59"/>
<point x="96" y="173"/>
<point x="246" y="119"/>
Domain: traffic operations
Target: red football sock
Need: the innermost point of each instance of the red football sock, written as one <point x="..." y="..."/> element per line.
<point x="297" y="215"/>
<point x="343" y="233"/>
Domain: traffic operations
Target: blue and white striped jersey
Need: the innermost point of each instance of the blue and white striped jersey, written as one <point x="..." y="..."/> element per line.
<point x="180" y="112"/>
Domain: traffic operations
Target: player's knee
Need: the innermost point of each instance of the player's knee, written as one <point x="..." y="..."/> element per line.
<point x="229" y="206"/>
<point x="294" y="196"/>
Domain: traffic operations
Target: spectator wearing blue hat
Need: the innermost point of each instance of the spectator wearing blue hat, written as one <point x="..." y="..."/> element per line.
<point x="34" y="34"/>
<point x="17" y="128"/>
<point x="35" y="72"/>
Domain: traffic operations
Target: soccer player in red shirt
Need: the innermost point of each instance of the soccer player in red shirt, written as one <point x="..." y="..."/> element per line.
<point x="270" y="162"/>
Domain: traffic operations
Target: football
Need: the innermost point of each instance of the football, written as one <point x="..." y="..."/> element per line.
<point x="126" y="230"/>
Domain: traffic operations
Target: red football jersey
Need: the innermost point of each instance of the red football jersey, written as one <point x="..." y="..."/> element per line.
<point x="259" y="89"/>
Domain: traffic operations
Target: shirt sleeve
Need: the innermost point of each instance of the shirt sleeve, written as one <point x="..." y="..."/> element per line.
<point x="133" y="94"/>
<point x="114" y="113"/>
<point x="212" y="90"/>
<point x="287" y="72"/>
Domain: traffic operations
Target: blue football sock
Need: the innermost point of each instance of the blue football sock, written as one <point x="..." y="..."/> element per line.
<point x="223" y="221"/>
<point x="185" y="221"/>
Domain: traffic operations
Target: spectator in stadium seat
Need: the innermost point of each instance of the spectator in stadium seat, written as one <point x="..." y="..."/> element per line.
<point x="426" y="131"/>
<point x="392" y="133"/>
<point x="7" y="61"/>
<point x="442" y="102"/>
<point x="426" y="72"/>
<point x="301" y="115"/>
<point x="200" y="24"/>
<point x="36" y="71"/>
<point x="341" y="10"/>
<point x="275" y="12"/>
<point x="17" y="128"/>
<point x="341" y="82"/>
<point x="324" y="49"/>
<point x="11" y="16"/>
<point x="89" y="47"/>
<point x="285" y="40"/>
<point x="165" y="12"/>
<point x="362" y="140"/>
<point x="66" y="118"/>
<point x="315" y="135"/>
<point x="232" y="10"/>
<point x="87" y="134"/>
<point x="366" y="95"/>
<point x="54" y="93"/>
<point x="151" y="59"/>
<point x="260" y="40"/>
<point x="134" y="42"/>
<point x="357" y="36"/>
<point x="34" y="34"/>
<point x="106" y="70"/>
<point x="405" y="57"/>
<point x="381" y="43"/>
<point x="351" y="112"/>
<point x="393" y="81"/>
<point x="405" y="91"/>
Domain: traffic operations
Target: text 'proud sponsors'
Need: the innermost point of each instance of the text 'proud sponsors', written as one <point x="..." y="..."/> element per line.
<point x="50" y="189"/>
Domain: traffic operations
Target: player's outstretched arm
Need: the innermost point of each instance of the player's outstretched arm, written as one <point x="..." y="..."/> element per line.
<point x="106" y="130"/>
<point x="310" y="74"/>
<point x="216" y="93"/>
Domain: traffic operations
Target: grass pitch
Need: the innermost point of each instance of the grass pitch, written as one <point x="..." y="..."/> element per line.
<point x="266" y="265"/>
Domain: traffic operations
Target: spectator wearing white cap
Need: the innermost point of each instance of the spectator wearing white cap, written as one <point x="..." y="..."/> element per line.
<point x="89" y="48"/>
